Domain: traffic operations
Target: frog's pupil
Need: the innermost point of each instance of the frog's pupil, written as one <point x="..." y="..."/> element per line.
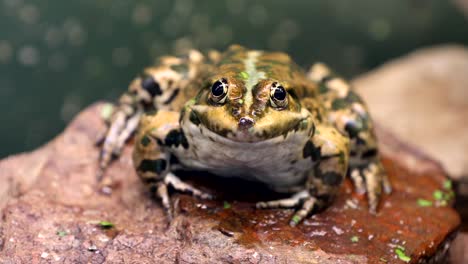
<point x="280" y="93"/>
<point x="151" y="86"/>
<point x="217" y="89"/>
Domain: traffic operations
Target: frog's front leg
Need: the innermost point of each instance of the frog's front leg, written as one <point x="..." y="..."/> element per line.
<point x="348" y="113"/>
<point x="151" y="157"/>
<point x="328" y="150"/>
<point x="159" y="87"/>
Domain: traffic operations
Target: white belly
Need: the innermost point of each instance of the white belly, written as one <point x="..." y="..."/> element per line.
<point x="277" y="162"/>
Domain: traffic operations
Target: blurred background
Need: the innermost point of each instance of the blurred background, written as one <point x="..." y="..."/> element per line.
<point x="57" y="57"/>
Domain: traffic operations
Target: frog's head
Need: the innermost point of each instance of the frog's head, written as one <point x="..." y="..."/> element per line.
<point x="244" y="104"/>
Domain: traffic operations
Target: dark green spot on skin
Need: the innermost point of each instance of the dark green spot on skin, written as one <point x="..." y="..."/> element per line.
<point x="311" y="151"/>
<point x="157" y="166"/>
<point x="328" y="78"/>
<point x="151" y="111"/>
<point x="150" y="180"/>
<point x="369" y="154"/>
<point x="353" y="128"/>
<point x="339" y="104"/>
<point x="180" y="68"/>
<point x="342" y="158"/>
<point x="172" y="97"/>
<point x="175" y="138"/>
<point x="353" y="97"/>
<point x="323" y="88"/>
<point x="229" y="61"/>
<point x="276" y="62"/>
<point x="145" y="141"/>
<point x="194" y="119"/>
<point x="153" y="188"/>
<point x="330" y="177"/>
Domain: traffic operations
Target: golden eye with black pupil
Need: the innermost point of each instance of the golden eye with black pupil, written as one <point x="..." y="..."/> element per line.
<point x="150" y="85"/>
<point x="278" y="96"/>
<point x="219" y="91"/>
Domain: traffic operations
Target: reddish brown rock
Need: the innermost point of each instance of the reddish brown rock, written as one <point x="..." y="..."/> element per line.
<point x="50" y="213"/>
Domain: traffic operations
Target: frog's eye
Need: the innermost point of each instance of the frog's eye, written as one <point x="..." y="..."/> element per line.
<point x="219" y="91"/>
<point x="151" y="86"/>
<point x="278" y="96"/>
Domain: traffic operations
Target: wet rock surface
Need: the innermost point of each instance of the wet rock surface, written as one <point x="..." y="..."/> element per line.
<point x="51" y="212"/>
<point x="422" y="98"/>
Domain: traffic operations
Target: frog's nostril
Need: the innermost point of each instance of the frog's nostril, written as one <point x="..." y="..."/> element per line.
<point x="246" y="122"/>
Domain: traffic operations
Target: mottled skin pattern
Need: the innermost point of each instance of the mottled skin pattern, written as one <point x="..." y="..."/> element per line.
<point x="251" y="114"/>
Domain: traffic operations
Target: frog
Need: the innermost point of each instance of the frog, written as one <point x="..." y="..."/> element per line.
<point x="251" y="114"/>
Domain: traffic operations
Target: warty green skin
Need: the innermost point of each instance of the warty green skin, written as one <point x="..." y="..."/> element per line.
<point x="303" y="141"/>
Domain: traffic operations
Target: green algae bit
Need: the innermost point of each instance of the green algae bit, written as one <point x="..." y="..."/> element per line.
<point x="226" y="205"/>
<point x="401" y="255"/>
<point x="62" y="233"/>
<point x="438" y="195"/>
<point x="354" y="239"/>
<point x="424" y="203"/>
<point x="106" y="224"/>
<point x="296" y="219"/>
<point x="448" y="185"/>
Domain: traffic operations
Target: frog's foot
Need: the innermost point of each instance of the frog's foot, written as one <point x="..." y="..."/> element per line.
<point x="303" y="199"/>
<point x="121" y="128"/>
<point x="177" y="184"/>
<point x="371" y="179"/>
<point x="184" y="187"/>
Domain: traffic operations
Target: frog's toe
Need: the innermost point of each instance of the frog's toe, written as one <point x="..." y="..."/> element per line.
<point x="358" y="180"/>
<point x="307" y="206"/>
<point x="181" y="186"/>
<point x="163" y="194"/>
<point x="303" y="199"/>
<point x="373" y="176"/>
<point x="371" y="180"/>
<point x="290" y="202"/>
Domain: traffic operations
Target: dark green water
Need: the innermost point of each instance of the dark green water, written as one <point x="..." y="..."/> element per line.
<point x="57" y="57"/>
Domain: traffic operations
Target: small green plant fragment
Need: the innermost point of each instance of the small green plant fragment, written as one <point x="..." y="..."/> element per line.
<point x="296" y="219"/>
<point x="354" y="239"/>
<point x="106" y="224"/>
<point x="424" y="203"/>
<point x="226" y="205"/>
<point x="401" y="255"/>
<point x="62" y="233"/>
<point x="438" y="195"/>
<point x="447" y="184"/>
<point x="106" y="111"/>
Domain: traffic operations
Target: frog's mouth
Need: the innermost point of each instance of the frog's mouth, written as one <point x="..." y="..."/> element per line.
<point x="250" y="129"/>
